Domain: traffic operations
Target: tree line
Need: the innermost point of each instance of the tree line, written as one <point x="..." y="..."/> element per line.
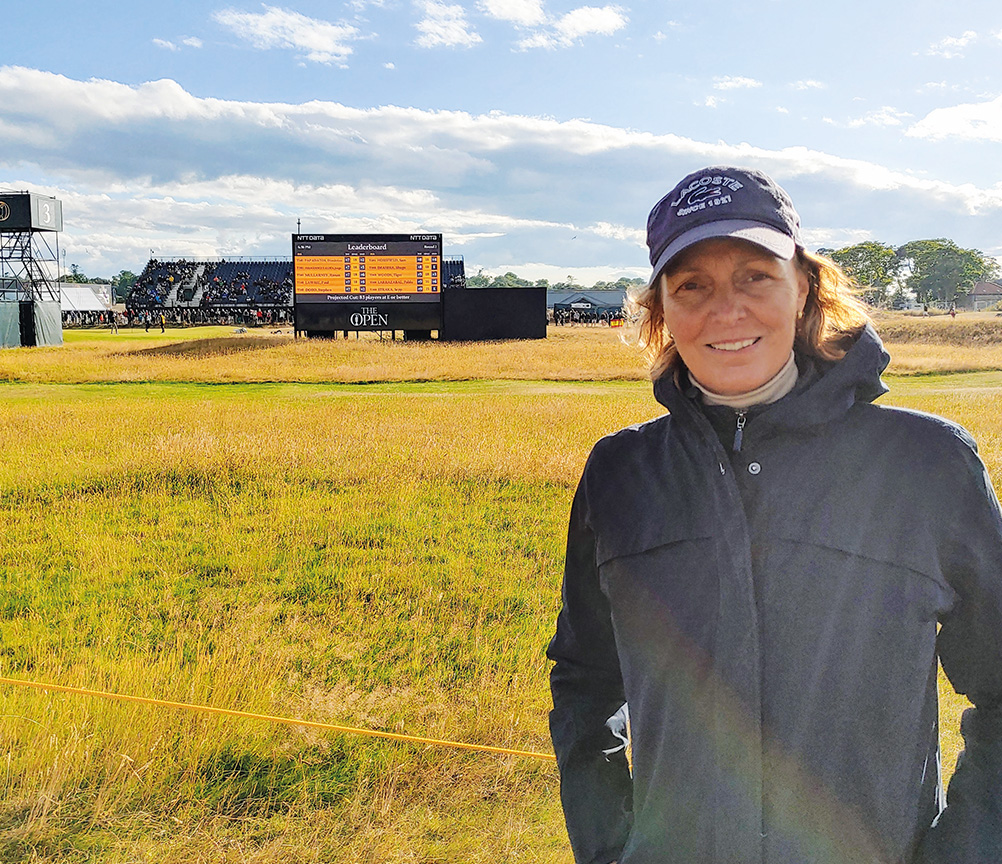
<point x="512" y="280"/>
<point x="120" y="283"/>
<point x="931" y="271"/>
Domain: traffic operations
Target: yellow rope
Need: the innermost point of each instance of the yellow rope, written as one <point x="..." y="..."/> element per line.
<point x="288" y="721"/>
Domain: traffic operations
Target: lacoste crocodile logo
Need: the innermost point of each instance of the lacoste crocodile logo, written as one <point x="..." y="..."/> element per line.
<point x="703" y="193"/>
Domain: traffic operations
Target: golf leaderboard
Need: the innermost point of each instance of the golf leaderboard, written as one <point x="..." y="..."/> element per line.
<point x="339" y="268"/>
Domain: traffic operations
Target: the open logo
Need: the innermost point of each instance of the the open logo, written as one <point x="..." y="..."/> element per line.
<point x="4" y="211"/>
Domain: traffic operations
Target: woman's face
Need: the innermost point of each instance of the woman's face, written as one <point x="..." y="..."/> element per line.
<point x="732" y="310"/>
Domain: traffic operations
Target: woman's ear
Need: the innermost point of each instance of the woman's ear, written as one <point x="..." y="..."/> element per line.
<point x="805" y="276"/>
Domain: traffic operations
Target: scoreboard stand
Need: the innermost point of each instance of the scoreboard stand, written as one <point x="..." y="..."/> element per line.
<point x="391" y="282"/>
<point x="367" y="282"/>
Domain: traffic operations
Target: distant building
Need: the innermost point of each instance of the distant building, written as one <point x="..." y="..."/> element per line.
<point x="588" y="300"/>
<point x="983" y="295"/>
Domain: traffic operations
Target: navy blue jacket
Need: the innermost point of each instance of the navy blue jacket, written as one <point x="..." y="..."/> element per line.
<point x="770" y="618"/>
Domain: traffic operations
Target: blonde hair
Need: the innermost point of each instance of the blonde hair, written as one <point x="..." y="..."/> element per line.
<point x="832" y="318"/>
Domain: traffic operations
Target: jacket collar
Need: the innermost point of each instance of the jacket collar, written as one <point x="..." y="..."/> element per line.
<point x="854" y="378"/>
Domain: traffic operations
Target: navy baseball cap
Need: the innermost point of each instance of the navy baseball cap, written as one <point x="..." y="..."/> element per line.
<point x="722" y="202"/>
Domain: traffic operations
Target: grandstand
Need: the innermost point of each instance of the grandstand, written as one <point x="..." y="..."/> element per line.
<point x="218" y="285"/>
<point x="232" y="285"/>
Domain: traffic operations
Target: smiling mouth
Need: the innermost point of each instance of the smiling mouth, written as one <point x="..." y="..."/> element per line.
<point x="733" y="346"/>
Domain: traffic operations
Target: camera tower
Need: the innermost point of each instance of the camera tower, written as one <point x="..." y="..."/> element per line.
<point x="29" y="259"/>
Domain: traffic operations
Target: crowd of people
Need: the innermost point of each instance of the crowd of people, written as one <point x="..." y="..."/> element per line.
<point x="158" y="280"/>
<point x="265" y="283"/>
<point x="87" y="319"/>
<point x="184" y="284"/>
<point x="180" y="316"/>
<point x="591" y="317"/>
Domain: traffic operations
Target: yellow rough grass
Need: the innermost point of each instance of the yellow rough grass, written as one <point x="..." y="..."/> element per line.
<point x="385" y="555"/>
<point x="219" y="355"/>
<point x="376" y="558"/>
<point x="916" y="358"/>
<point x="216" y="355"/>
<point x="968" y="328"/>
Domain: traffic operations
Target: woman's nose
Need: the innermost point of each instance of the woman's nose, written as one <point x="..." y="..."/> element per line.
<point x="728" y="305"/>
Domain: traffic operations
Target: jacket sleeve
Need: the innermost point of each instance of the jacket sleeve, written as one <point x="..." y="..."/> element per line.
<point x="587" y="724"/>
<point x="969" y="830"/>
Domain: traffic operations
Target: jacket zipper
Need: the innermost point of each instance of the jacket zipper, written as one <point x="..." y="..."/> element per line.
<point x="739" y="432"/>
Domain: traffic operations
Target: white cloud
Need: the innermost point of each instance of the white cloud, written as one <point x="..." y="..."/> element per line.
<point x="538" y="40"/>
<point x="571" y="28"/>
<point x="315" y="40"/>
<point x="154" y="166"/>
<point x="952" y="46"/>
<point x="473" y="237"/>
<point x="731" y="82"/>
<point x="588" y="20"/>
<point x="808" y="84"/>
<point x="780" y="109"/>
<point x="884" y="116"/>
<point x="711" y="102"/>
<point x="523" y="13"/>
<point x="981" y="121"/>
<point x="390" y="65"/>
<point x="660" y="36"/>
<point x="444" y="26"/>
<point x="560" y="273"/>
<point x="189" y="41"/>
<point x="835" y="238"/>
<point x="636" y="236"/>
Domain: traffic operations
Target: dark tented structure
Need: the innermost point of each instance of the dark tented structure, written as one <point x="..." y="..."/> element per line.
<point x="586" y="305"/>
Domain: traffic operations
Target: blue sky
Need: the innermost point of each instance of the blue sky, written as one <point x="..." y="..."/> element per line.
<point x="536" y="135"/>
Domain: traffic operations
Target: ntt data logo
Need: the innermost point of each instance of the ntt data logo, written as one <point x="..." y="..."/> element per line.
<point x="4" y="211"/>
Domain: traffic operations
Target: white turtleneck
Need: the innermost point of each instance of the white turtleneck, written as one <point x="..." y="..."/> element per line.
<point x="774" y="389"/>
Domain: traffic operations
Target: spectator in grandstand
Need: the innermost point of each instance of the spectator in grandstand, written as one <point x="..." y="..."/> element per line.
<point x="212" y="292"/>
<point x="758" y="583"/>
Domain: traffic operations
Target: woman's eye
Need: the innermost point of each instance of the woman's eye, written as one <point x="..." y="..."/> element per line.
<point x="688" y="286"/>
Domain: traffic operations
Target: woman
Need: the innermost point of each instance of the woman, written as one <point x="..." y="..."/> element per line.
<point x="759" y="576"/>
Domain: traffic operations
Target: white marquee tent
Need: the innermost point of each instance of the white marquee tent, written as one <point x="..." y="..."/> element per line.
<point x="77" y="297"/>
